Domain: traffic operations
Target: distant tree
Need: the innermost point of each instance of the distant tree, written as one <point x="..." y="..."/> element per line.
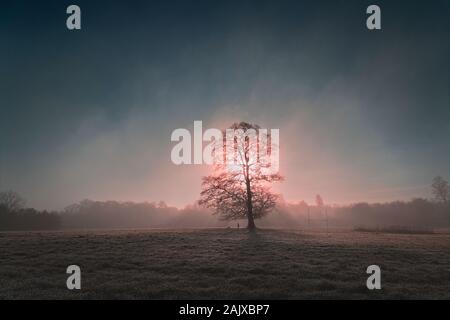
<point x="162" y="204"/>
<point x="11" y="200"/>
<point x="319" y="201"/>
<point x="320" y="205"/>
<point x="241" y="191"/>
<point x="440" y="189"/>
<point x="13" y="215"/>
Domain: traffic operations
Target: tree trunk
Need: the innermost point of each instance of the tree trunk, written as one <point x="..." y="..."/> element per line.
<point x="251" y="222"/>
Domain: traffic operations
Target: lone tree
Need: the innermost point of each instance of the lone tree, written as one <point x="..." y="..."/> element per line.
<point x="241" y="188"/>
<point x="319" y="201"/>
<point x="11" y="200"/>
<point x="440" y="189"/>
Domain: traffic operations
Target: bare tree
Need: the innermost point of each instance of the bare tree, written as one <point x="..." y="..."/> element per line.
<point x="241" y="190"/>
<point x="320" y="204"/>
<point x="319" y="201"/>
<point x="11" y="200"/>
<point x="440" y="189"/>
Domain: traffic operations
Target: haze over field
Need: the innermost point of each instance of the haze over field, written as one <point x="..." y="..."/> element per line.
<point x="363" y="116"/>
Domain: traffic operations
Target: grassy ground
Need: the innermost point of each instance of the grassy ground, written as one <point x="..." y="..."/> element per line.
<point x="223" y="264"/>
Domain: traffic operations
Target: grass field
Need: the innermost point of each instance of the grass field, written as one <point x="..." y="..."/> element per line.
<point x="223" y="264"/>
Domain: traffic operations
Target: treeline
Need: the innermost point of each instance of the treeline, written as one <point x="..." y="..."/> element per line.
<point x="416" y="214"/>
<point x="114" y="214"/>
<point x="28" y="219"/>
<point x="14" y="215"/>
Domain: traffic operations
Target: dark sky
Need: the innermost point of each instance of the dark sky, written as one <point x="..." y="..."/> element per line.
<point x="363" y="115"/>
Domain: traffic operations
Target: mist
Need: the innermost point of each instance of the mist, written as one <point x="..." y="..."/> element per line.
<point x="356" y="123"/>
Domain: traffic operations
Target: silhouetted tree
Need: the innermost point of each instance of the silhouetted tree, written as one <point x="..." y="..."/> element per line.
<point x="11" y="200"/>
<point x="241" y="190"/>
<point x="319" y="201"/>
<point x="13" y="215"/>
<point x="440" y="189"/>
